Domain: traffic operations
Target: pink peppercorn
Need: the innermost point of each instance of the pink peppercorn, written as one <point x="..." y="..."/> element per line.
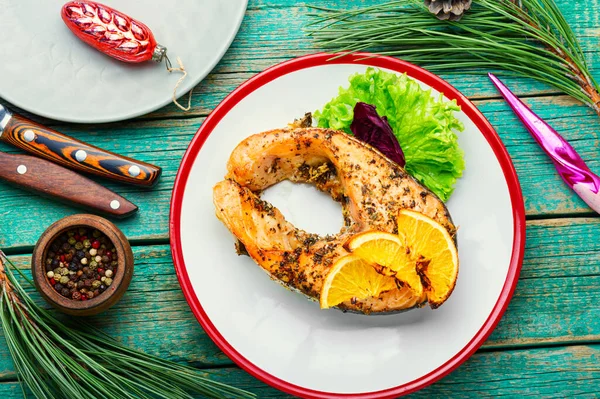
<point x="95" y="244"/>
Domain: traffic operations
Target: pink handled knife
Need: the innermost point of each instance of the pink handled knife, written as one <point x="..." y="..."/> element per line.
<point x="567" y="161"/>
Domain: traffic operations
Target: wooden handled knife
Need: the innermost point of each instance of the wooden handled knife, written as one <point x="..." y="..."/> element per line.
<point x="69" y="152"/>
<point x="52" y="180"/>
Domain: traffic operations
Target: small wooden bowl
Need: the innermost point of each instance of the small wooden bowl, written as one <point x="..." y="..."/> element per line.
<point x="121" y="279"/>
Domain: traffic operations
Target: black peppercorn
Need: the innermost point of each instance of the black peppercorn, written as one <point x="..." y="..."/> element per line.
<point x="58" y="287"/>
<point x="66" y="246"/>
<point x="80" y="254"/>
<point x="80" y="284"/>
<point x="55" y="263"/>
<point x="65" y="292"/>
<point x="73" y="266"/>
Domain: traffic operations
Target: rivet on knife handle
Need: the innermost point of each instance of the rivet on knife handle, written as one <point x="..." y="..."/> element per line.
<point x="72" y="153"/>
<point x="52" y="180"/>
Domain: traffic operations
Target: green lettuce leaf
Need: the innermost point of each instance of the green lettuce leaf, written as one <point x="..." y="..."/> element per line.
<point x="423" y="124"/>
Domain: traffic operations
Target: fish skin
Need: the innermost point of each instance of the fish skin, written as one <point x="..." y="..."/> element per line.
<point x="370" y="187"/>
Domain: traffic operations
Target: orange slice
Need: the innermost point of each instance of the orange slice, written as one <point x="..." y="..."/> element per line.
<point x="351" y="277"/>
<point x="388" y="255"/>
<point x="433" y="249"/>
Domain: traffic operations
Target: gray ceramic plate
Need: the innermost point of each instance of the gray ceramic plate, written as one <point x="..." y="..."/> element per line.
<point x="46" y="70"/>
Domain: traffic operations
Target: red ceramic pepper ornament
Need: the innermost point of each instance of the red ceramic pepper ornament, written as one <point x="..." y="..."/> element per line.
<point x="112" y="32"/>
<point x="117" y="35"/>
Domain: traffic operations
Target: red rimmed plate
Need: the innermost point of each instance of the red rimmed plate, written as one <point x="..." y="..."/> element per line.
<point x="288" y="342"/>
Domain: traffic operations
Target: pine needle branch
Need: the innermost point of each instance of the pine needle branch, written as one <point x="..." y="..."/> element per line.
<point x="528" y="38"/>
<point x="54" y="360"/>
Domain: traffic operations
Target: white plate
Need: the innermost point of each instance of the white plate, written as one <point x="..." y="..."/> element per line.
<point x="287" y="341"/>
<point x="46" y="70"/>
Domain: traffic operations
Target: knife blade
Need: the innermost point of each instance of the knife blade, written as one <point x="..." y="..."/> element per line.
<point x="568" y="163"/>
<point x="69" y="152"/>
<point x="52" y="180"/>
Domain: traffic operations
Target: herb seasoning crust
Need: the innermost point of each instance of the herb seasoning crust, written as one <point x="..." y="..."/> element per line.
<point x="370" y="187"/>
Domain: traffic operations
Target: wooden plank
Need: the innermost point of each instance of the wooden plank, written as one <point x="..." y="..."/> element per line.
<point x="261" y="44"/>
<point x="23" y="216"/>
<point x="558" y="287"/>
<point x="562" y="248"/>
<point x="551" y="303"/>
<point x="550" y="373"/>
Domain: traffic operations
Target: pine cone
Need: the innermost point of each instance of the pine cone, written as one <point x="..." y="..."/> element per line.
<point x="452" y="10"/>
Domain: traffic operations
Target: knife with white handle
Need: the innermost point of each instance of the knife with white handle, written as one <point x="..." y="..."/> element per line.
<point x="71" y="153"/>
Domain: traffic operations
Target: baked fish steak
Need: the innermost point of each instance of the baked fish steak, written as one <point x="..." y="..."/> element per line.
<point x="370" y="187"/>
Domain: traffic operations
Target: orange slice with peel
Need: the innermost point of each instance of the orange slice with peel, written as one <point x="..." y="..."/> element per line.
<point x="351" y="277"/>
<point x="434" y="252"/>
<point x="388" y="255"/>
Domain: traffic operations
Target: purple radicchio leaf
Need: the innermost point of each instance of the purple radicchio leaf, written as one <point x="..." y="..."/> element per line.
<point x="375" y="130"/>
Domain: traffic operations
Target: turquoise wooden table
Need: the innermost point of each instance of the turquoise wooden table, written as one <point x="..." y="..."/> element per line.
<point x="548" y="342"/>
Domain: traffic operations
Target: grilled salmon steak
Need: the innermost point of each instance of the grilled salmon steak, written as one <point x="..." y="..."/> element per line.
<point x="370" y="187"/>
